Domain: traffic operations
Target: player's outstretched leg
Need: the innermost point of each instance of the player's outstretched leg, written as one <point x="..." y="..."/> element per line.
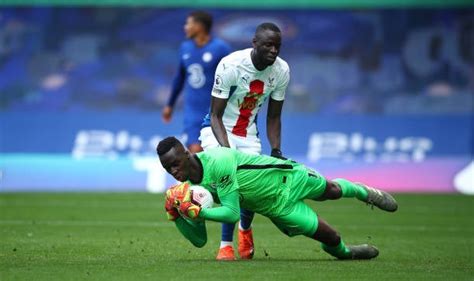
<point x="367" y="194"/>
<point x="332" y="244"/>
<point x="354" y="252"/>
<point x="246" y="247"/>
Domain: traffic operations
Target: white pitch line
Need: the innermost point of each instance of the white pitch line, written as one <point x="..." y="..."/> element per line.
<point x="81" y="205"/>
<point x="395" y="228"/>
<point x="85" y="223"/>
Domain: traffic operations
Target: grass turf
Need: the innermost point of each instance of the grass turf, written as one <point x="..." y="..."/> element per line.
<point x="125" y="236"/>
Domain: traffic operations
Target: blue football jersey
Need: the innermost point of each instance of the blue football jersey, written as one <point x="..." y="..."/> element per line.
<point x="196" y="77"/>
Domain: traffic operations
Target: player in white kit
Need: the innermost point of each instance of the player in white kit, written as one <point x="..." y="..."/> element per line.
<point x="243" y="81"/>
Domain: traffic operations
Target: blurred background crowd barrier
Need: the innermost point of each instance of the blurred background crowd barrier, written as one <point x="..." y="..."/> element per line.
<point x="383" y="96"/>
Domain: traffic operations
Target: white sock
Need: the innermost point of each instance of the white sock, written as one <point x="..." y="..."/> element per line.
<point x="226" y="243"/>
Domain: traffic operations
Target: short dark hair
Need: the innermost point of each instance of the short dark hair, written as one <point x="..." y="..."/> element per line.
<point x="267" y="26"/>
<point x="166" y="145"/>
<point x="204" y="18"/>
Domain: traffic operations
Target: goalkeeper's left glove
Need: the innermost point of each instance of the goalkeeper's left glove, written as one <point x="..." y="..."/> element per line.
<point x="190" y="210"/>
<point x="171" y="211"/>
<point x="277" y="154"/>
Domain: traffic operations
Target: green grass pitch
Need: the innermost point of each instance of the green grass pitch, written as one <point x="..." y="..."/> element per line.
<point x="125" y="236"/>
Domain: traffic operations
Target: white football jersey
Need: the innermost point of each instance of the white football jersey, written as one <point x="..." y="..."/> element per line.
<point x="247" y="88"/>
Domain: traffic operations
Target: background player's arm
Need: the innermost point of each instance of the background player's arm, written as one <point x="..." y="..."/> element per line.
<point x="194" y="231"/>
<point x="274" y="123"/>
<point x="275" y="106"/>
<point x="176" y="88"/>
<point x="217" y="125"/>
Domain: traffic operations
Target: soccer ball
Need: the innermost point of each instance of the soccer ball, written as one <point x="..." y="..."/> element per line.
<point x="201" y="196"/>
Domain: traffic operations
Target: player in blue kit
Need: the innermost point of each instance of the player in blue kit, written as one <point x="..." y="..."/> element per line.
<point x="199" y="56"/>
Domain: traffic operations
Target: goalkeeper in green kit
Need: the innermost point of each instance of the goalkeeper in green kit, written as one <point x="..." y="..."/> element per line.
<point x="272" y="187"/>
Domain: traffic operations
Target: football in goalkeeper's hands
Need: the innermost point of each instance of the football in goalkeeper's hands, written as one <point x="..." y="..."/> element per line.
<point x="201" y="196"/>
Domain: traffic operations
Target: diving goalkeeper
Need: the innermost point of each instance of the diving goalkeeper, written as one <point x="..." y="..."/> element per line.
<point x="266" y="185"/>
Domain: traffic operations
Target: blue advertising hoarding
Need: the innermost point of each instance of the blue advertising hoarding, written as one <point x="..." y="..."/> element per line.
<point x="116" y="151"/>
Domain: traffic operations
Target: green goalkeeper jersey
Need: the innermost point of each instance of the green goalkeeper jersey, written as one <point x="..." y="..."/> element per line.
<point x="260" y="183"/>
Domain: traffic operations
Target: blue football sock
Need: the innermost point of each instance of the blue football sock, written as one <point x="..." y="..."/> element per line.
<point x="228" y="232"/>
<point x="246" y="218"/>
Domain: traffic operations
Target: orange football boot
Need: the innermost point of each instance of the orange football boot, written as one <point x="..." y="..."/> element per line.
<point x="246" y="249"/>
<point x="226" y="254"/>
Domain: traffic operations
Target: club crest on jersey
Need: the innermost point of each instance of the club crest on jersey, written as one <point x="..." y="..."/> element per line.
<point x="207" y="57"/>
<point x="270" y="82"/>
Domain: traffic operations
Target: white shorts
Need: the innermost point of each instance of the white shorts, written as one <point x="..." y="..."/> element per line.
<point x="249" y="144"/>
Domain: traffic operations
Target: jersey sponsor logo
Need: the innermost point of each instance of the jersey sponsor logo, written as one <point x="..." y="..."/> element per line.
<point x="207" y="57"/>
<point x="246" y="106"/>
<point x="196" y="78"/>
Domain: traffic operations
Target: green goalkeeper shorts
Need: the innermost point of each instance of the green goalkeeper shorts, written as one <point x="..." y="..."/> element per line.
<point x="298" y="218"/>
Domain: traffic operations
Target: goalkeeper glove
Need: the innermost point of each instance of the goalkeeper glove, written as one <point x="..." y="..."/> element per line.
<point x="277" y="154"/>
<point x="171" y="211"/>
<point x="179" y="193"/>
<point x="190" y="210"/>
<point x="174" y="196"/>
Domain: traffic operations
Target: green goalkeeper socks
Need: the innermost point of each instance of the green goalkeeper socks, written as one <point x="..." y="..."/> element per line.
<point x="350" y="189"/>
<point x="340" y="251"/>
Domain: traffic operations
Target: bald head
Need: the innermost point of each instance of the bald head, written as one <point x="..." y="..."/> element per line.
<point x="266" y="26"/>
<point x="266" y="45"/>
